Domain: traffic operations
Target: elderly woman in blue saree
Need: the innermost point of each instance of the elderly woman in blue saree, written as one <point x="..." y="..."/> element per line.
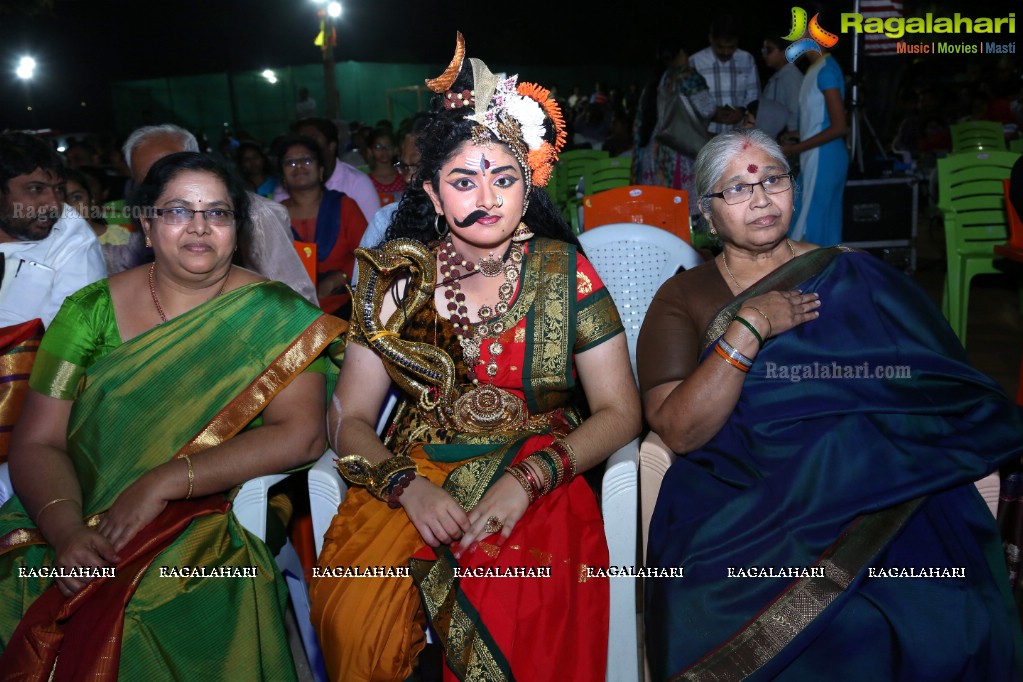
<point x="119" y="557"/>
<point x="829" y="431"/>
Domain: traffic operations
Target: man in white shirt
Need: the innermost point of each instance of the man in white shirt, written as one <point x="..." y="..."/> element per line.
<point x="341" y="176"/>
<point x="49" y="251"/>
<point x="731" y="74"/>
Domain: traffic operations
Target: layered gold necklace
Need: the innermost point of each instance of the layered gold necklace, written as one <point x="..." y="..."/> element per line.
<point x="471" y="336"/>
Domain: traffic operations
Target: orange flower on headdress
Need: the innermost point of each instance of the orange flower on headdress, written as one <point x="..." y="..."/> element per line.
<point x="542" y="96"/>
<point x="541" y="163"/>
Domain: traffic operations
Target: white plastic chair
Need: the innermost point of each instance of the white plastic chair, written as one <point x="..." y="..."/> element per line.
<point x="250" y="507"/>
<point x="989" y="488"/>
<point x="619" y="490"/>
<point x="654" y="460"/>
<point x="6" y="489"/>
<point x="326" y="487"/>
<point x="634" y="260"/>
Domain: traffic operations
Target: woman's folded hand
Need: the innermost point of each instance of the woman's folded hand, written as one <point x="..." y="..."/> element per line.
<point x="81" y="547"/>
<point x="135" y="508"/>
<point x="434" y="513"/>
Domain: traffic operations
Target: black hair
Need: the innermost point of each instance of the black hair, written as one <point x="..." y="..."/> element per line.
<point x="84" y="144"/>
<point x="442" y="134"/>
<point x="667" y="50"/>
<point x="724" y="26"/>
<point x="22" y="154"/>
<point x="324" y="125"/>
<point x="253" y="145"/>
<point x="73" y="175"/>
<point x="286" y="143"/>
<point x="144" y="196"/>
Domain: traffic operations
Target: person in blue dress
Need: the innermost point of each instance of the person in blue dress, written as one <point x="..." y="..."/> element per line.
<point x="823" y="158"/>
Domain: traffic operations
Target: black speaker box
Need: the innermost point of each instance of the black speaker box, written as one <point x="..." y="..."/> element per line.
<point x="879" y="211"/>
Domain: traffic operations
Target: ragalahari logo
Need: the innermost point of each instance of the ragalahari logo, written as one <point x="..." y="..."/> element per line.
<point x="817" y="39"/>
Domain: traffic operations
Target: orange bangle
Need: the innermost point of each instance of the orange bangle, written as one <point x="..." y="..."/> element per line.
<point x="734" y="363"/>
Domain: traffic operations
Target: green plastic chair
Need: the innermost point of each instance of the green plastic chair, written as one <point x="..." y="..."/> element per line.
<point x="1016" y="145"/>
<point x="970" y="135"/>
<point x="573" y="165"/>
<point x="609" y="173"/>
<point x="972" y="202"/>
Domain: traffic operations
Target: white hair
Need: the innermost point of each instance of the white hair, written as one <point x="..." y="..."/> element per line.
<point x="712" y="161"/>
<point x="140" y="135"/>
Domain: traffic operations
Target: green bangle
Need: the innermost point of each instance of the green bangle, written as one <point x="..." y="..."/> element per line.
<point x="753" y="330"/>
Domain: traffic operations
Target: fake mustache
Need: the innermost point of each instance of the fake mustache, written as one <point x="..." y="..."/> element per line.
<point x="471" y="218"/>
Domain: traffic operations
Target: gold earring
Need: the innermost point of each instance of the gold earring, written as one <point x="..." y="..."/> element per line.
<point x="149" y="244"/>
<point x="522" y="233"/>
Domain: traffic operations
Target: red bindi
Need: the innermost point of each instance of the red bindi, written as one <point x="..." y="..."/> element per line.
<point x="752" y="168"/>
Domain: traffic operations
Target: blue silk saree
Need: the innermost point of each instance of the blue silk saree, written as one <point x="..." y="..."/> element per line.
<point x="852" y="451"/>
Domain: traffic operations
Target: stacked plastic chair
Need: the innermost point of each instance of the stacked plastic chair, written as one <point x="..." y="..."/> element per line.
<point x="971" y="199"/>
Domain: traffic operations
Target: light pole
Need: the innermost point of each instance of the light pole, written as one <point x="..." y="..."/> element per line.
<point x="25" y="71"/>
<point x="328" y="19"/>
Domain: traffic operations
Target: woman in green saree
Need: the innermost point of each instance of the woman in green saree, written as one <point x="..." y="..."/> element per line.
<point x="119" y="550"/>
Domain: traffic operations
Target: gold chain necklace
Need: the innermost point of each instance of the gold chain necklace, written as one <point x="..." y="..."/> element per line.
<point x="156" y="299"/>
<point x="724" y="260"/>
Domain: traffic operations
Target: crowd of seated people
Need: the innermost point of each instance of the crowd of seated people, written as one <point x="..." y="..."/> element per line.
<point x="201" y="317"/>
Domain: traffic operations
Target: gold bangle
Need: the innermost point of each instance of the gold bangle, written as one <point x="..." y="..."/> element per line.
<point x="770" y="327"/>
<point x="51" y="503"/>
<point x="191" y="476"/>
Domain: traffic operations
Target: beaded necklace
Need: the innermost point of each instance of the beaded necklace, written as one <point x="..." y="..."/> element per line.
<point x="470" y="336"/>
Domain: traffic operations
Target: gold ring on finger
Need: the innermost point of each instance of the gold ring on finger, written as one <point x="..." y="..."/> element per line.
<point x="494" y="525"/>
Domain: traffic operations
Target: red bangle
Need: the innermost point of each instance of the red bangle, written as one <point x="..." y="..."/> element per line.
<point x="398" y="487"/>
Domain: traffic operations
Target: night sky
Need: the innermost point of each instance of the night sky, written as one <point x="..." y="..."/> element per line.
<point x="83" y="45"/>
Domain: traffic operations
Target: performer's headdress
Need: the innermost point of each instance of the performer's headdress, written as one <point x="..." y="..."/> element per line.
<point x="524" y="116"/>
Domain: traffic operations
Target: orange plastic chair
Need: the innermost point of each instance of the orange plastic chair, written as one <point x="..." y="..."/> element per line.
<point x="1015" y="223"/>
<point x="1014" y="251"/>
<point x="660" y="207"/>
<point x="307" y="254"/>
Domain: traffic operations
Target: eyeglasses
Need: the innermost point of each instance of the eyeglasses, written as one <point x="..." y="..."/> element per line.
<point x="215" y="217"/>
<point x="736" y="194"/>
<point x="379" y="145"/>
<point x="300" y="161"/>
<point x="403" y="167"/>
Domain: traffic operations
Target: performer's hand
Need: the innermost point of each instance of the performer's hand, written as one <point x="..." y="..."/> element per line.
<point x="506" y="501"/>
<point x="81" y="547"/>
<point x="785" y="310"/>
<point x="134" y="509"/>
<point x="434" y="513"/>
